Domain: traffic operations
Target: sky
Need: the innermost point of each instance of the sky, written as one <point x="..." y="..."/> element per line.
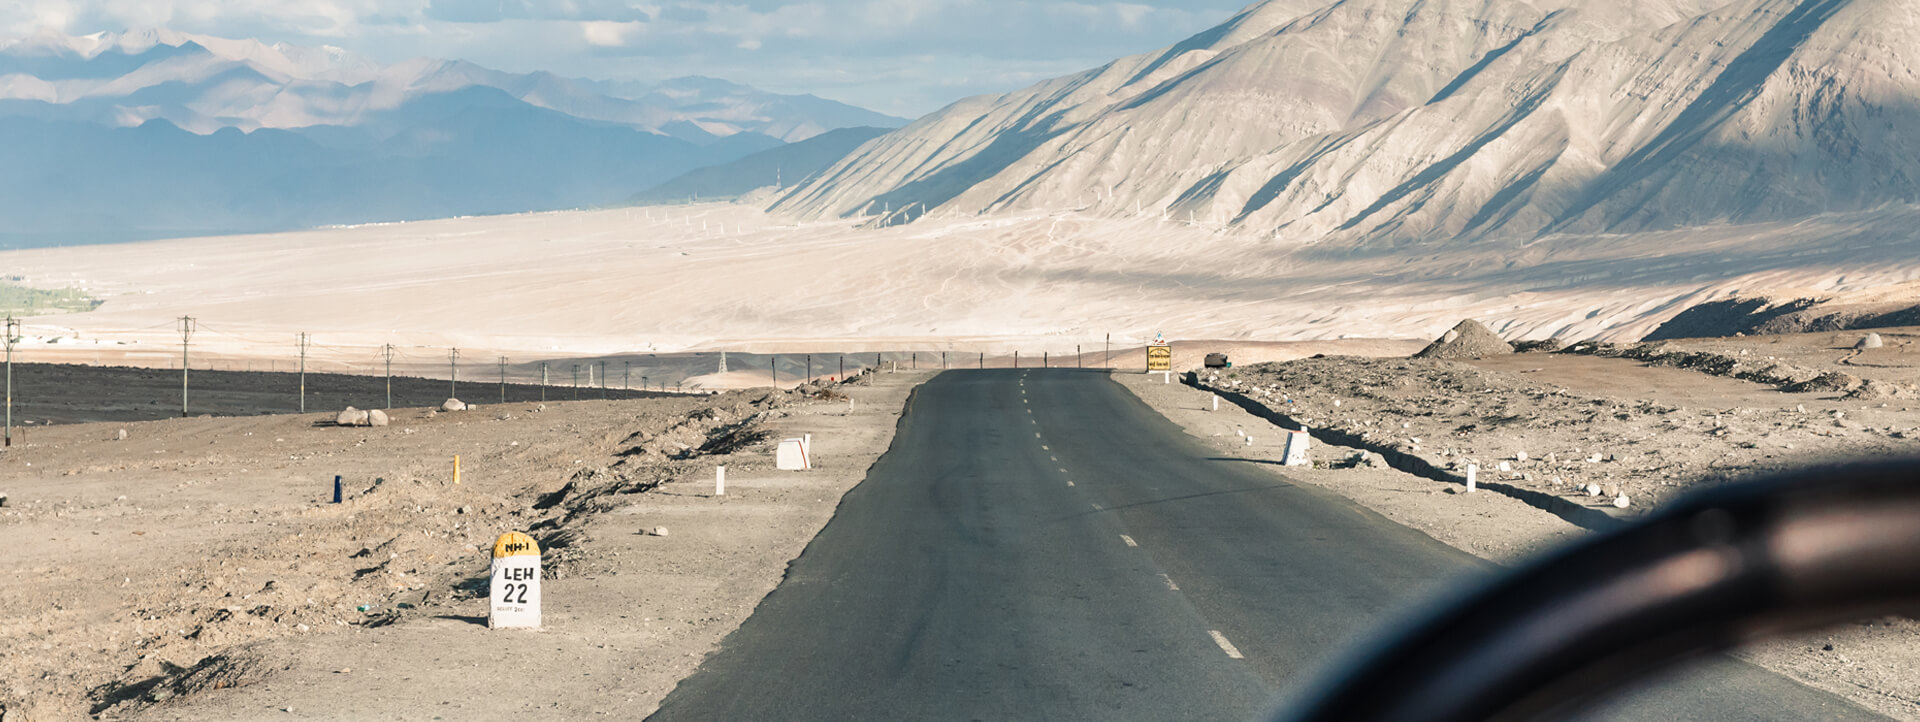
<point x="903" y="57"/>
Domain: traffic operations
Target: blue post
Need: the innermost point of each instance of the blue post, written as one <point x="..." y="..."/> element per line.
<point x="336" y="489"/>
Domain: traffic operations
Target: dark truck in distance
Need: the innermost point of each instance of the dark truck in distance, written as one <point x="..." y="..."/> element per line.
<point x="1218" y="361"/>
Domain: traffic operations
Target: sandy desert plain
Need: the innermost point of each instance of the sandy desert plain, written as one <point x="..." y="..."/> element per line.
<point x="190" y="569"/>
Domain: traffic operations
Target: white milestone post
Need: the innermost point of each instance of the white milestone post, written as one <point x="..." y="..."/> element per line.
<point x="514" y="590"/>
<point x="719" y="481"/>
<point x="1473" y="477"/>
<point x="1296" y="453"/>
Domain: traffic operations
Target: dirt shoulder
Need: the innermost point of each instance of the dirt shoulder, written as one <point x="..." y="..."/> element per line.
<point x="1644" y="431"/>
<point x="194" y="569"/>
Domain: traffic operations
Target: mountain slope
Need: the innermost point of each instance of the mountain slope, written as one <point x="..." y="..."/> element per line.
<point x="775" y="167"/>
<point x="1401" y="120"/>
<point x="204" y="83"/>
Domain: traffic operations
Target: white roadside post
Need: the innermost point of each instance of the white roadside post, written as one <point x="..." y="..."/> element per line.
<point x="513" y="597"/>
<point x="1216" y="402"/>
<point x="1473" y="477"/>
<point x="719" y="481"/>
<point x="1296" y="453"/>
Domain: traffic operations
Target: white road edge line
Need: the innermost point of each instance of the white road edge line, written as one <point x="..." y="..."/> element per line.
<point x="1171" y="587"/>
<point x="1069" y="482"/>
<point x="1096" y="507"/>
<point x="1129" y="540"/>
<point x="1225" y="646"/>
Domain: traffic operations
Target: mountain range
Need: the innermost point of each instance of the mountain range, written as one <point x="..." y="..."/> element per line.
<point x="156" y="133"/>
<point x="1393" y="122"/>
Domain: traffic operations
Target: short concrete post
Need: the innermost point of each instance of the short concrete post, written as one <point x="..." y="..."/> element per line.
<point x="719" y="481"/>
<point x="1473" y="477"/>
<point x="1216" y="402"/>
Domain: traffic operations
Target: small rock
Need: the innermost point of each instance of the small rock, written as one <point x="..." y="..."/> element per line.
<point x="453" y="405"/>
<point x="344" y="670"/>
<point x="1593" y="490"/>
<point x="351" y="417"/>
<point x="377" y="417"/>
<point x="1621" y="501"/>
<point x="122" y="435"/>
<point x="1520" y="457"/>
<point x="659" y="531"/>
<point x="461" y="510"/>
<point x="1505" y="467"/>
<point x="1871" y="340"/>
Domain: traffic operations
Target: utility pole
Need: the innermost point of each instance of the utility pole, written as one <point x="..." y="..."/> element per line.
<point x="1109" y="350"/>
<point x="809" y="368"/>
<point x="603" y="379"/>
<point x="305" y="341"/>
<point x="13" y="337"/>
<point x="186" y="334"/>
<point x="576" y="382"/>
<point x="626" y="376"/>
<point x="543" y="381"/>
<point x="843" y="368"/>
<point x="1016" y="358"/>
<point x="453" y="373"/>
<point x="388" y="352"/>
<point x="503" y="379"/>
<point x="1078" y="360"/>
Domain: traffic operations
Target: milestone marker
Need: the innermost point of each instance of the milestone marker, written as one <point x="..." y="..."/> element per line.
<point x="513" y="598"/>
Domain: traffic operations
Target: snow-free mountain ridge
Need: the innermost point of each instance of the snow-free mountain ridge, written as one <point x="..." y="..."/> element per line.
<point x="156" y="133"/>
<point x="1415" y="120"/>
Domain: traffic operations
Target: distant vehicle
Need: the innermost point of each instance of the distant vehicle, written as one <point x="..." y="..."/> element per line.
<point x="1218" y="361"/>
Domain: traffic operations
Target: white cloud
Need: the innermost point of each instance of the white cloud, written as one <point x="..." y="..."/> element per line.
<point x="605" y="34"/>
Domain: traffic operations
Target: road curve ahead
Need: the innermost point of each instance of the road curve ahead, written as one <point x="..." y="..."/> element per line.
<point x="1042" y="545"/>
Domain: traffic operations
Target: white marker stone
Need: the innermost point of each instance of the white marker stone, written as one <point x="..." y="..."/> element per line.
<point x="1473" y="477"/>
<point x="514" y="590"/>
<point x="1297" y="449"/>
<point x="719" y="481"/>
<point x="792" y="455"/>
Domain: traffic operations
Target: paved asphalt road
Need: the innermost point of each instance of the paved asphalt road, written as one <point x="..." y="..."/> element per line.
<point x="1042" y="545"/>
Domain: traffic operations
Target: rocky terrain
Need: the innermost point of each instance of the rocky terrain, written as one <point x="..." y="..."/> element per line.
<point x="1638" y="424"/>
<point x="158" y="560"/>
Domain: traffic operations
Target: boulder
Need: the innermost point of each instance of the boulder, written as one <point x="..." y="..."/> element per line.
<point x="351" y="417"/>
<point x="1871" y="340"/>
<point x="377" y="417"/>
<point x="454" y="405"/>
<point x="1469" y="339"/>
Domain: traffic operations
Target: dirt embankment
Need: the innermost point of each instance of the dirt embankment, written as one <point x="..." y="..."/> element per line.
<point x="1763" y="316"/>
<point x="152" y="562"/>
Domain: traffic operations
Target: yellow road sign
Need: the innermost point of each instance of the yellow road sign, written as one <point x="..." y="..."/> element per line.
<point x="1160" y="357"/>
<point x="515" y="544"/>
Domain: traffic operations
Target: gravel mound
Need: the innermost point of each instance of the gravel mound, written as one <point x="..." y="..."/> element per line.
<point x="1871" y="340"/>
<point x="1873" y="390"/>
<point x="1828" y="382"/>
<point x="1470" y="339"/>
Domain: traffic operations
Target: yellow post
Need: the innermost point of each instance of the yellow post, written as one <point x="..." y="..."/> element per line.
<point x="456" y="469"/>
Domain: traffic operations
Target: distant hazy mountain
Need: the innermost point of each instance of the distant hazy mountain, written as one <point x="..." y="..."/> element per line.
<point x="153" y="133"/>
<point x="786" y="165"/>
<point x="1400" y="120"/>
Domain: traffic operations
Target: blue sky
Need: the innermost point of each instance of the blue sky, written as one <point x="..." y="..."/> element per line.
<point x="905" y="57"/>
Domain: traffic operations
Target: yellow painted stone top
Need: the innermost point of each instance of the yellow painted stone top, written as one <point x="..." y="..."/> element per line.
<point x="515" y="544"/>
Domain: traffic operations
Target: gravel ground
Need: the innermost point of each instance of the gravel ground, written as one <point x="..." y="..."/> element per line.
<point x="194" y="569"/>
<point x="1645" y="431"/>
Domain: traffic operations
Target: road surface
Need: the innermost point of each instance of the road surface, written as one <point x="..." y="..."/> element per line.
<point x="1042" y="545"/>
